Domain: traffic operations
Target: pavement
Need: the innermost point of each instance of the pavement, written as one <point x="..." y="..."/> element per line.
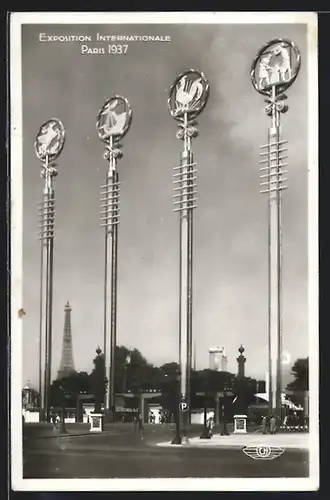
<point x="124" y="452"/>
<point x="45" y="430"/>
<point x="287" y="441"/>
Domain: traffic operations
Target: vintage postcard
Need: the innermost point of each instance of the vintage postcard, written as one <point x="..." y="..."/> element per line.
<point x="164" y="251"/>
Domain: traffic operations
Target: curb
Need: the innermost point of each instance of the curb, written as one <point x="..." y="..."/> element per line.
<point x="55" y="436"/>
<point x="225" y="446"/>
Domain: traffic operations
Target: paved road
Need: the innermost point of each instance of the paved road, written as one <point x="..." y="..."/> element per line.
<point x="128" y="454"/>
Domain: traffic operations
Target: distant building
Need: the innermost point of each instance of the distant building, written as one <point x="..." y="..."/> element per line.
<point x="30" y="397"/>
<point x="218" y="359"/>
<point x="66" y="366"/>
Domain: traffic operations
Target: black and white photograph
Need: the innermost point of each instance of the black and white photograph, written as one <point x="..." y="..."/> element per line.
<point x="164" y="251"/>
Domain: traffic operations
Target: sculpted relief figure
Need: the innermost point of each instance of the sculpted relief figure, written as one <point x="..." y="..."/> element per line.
<point x="188" y="93"/>
<point x="49" y="137"/>
<point x="265" y="71"/>
<point x="114" y="123"/>
<point x="275" y="66"/>
<point x="283" y="66"/>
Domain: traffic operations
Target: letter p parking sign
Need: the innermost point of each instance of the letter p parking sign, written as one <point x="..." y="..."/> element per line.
<point x="183" y="406"/>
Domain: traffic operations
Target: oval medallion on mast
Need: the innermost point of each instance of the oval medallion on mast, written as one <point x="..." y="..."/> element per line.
<point x="277" y="64"/>
<point x="114" y="119"/>
<point x="50" y="140"/>
<point x="188" y="94"/>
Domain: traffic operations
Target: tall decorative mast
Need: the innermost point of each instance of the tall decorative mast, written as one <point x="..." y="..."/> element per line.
<point x="66" y="365"/>
<point x="113" y="121"/>
<point x="273" y="70"/>
<point x="48" y="146"/>
<point x="187" y="98"/>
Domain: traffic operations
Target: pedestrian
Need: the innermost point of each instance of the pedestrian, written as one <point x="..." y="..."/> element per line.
<point x="264" y="425"/>
<point x="210" y="426"/>
<point x="54" y="423"/>
<point x="272" y="425"/>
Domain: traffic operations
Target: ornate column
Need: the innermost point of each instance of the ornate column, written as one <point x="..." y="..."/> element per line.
<point x="241" y="362"/>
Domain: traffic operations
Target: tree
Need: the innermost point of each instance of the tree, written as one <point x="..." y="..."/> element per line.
<point x="170" y="369"/>
<point x="134" y="373"/>
<point x="300" y="372"/>
<point x="261" y="386"/>
<point x="152" y="378"/>
<point x="72" y="385"/>
<point x="141" y="375"/>
<point x="170" y="389"/>
<point x="244" y="389"/>
<point x="297" y="388"/>
<point x="122" y="355"/>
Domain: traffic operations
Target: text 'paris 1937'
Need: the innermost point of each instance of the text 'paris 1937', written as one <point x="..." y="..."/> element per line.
<point x="110" y="49"/>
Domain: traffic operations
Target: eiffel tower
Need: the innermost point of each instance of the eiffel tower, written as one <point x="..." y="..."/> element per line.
<point x="66" y="366"/>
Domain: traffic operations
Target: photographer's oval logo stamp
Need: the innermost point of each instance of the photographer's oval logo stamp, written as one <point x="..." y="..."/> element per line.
<point x="263" y="452"/>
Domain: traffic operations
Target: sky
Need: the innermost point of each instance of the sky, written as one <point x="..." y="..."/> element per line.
<point x="230" y="223"/>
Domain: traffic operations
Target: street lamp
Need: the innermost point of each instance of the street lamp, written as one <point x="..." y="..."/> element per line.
<point x="48" y="146"/>
<point x="113" y="122"/>
<point x="273" y="71"/>
<point x="126" y="367"/>
<point x="224" y="410"/>
<point x="187" y="98"/>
